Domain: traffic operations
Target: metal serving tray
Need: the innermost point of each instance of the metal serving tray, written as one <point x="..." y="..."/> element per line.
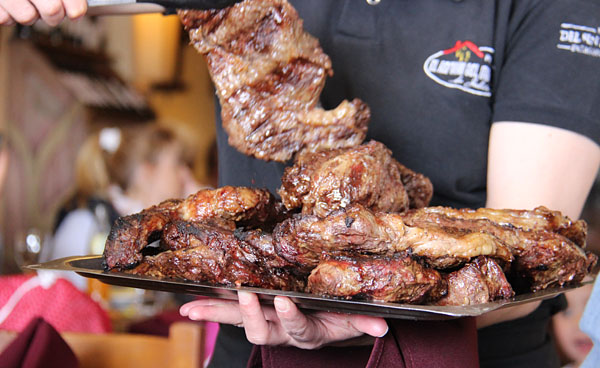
<point x="91" y="267"/>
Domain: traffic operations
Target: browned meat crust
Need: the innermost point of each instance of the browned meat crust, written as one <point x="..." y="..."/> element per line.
<point x="211" y="254"/>
<point x="418" y="187"/>
<point x="479" y="281"/>
<point x="304" y="238"/>
<point x="396" y="279"/>
<point x="323" y="182"/>
<point x="543" y="257"/>
<point x="539" y="218"/>
<point x="269" y="75"/>
<point x="130" y="234"/>
<point x="226" y="206"/>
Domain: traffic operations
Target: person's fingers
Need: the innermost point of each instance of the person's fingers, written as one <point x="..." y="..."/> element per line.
<point x="258" y="330"/>
<point x="21" y="11"/>
<point x="376" y="327"/>
<point x="294" y="322"/>
<point x="5" y="18"/>
<point x="185" y="309"/>
<point x="214" y="310"/>
<point x="51" y="11"/>
<point x="75" y="8"/>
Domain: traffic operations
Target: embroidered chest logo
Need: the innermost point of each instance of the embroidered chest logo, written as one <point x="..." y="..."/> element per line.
<point x="465" y="66"/>
<point x="579" y="39"/>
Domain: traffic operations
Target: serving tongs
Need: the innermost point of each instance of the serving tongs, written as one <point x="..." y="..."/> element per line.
<point x="113" y="7"/>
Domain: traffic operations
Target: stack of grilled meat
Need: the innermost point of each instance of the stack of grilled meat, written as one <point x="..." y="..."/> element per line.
<point x="352" y="222"/>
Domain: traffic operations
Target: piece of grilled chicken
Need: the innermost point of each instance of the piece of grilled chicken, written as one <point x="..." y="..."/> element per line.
<point x="322" y="182"/>
<point x="226" y="207"/>
<point x="269" y="75"/>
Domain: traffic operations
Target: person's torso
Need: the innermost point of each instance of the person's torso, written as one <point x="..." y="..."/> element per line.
<point x="425" y="68"/>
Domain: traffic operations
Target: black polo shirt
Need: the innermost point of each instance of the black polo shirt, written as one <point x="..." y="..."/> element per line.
<point x="437" y="74"/>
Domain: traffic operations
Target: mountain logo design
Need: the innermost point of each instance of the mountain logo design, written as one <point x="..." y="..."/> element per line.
<point x="465" y="66"/>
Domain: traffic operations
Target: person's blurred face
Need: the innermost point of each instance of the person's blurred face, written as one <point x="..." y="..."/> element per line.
<point x="573" y="343"/>
<point x="164" y="179"/>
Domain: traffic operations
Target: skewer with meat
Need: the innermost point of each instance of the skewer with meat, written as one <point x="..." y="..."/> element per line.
<point x="227" y="207"/>
<point x="269" y="75"/>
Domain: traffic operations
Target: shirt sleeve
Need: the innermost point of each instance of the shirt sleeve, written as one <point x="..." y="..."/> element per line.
<point x="589" y="324"/>
<point x="549" y="72"/>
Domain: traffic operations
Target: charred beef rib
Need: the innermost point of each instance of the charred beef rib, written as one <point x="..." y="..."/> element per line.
<point x="303" y="239"/>
<point x="269" y="75"/>
<point x="544" y="257"/>
<point x="208" y="253"/>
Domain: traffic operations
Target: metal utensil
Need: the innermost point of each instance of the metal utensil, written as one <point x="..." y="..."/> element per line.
<point x="112" y="7"/>
<point x="91" y="267"/>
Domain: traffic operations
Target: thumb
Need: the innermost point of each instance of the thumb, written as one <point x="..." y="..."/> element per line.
<point x="374" y="326"/>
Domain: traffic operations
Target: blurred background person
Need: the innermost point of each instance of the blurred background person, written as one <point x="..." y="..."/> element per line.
<point x="572" y="343"/>
<point x="3" y="169"/>
<point x="119" y="171"/>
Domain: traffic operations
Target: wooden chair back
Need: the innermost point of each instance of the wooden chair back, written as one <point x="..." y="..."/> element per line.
<point x="182" y="349"/>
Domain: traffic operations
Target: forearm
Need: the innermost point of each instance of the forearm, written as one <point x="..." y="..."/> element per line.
<point x="532" y="165"/>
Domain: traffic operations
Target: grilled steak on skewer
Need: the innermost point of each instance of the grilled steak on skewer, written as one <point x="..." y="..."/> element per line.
<point x="269" y="75"/>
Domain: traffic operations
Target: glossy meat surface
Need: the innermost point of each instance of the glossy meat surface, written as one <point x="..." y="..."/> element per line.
<point x="325" y="181"/>
<point x="540" y="218"/>
<point x="479" y="281"/>
<point x="207" y="253"/>
<point x="304" y="238"/>
<point x="269" y="75"/>
<point x="130" y="234"/>
<point x="226" y="206"/>
<point x="391" y="279"/>
<point x="542" y="256"/>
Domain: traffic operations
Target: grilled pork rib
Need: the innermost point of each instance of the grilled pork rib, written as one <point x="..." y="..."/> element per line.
<point x="269" y="75"/>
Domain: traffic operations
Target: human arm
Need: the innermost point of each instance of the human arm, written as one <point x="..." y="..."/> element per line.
<point x="530" y="165"/>
<point x="54" y="11"/>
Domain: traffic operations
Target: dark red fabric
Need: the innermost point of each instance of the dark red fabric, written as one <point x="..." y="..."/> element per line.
<point x="408" y="344"/>
<point x="39" y="345"/>
<point x="157" y="325"/>
<point x="160" y="324"/>
<point x="62" y="305"/>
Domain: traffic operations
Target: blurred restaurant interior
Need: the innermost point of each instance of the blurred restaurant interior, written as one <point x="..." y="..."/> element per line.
<point x="59" y="86"/>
